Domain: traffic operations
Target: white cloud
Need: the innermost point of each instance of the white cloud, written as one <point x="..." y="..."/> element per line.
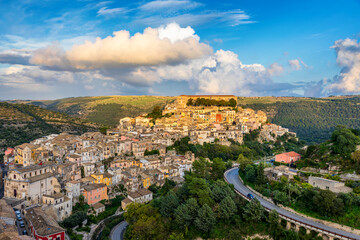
<point x="220" y="73"/>
<point x="104" y="11"/>
<point x="275" y="69"/>
<point x="230" y="18"/>
<point x="174" y="33"/>
<point x="348" y="57"/>
<point x="165" y="45"/>
<point x="168" y="5"/>
<point x="295" y="64"/>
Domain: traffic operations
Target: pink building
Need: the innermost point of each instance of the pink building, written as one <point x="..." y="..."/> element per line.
<point x="94" y="193"/>
<point x="289" y="157"/>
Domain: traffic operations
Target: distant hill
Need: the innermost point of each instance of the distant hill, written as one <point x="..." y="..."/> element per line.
<point x="313" y="119"/>
<point x="20" y="123"/>
<point x="106" y="110"/>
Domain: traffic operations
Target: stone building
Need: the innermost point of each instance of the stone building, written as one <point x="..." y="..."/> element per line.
<point x="327" y="184"/>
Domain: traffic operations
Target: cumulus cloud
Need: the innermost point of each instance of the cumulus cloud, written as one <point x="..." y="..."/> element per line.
<point x="275" y="69"/>
<point x="170" y="44"/>
<point x="219" y="73"/>
<point x="348" y="57"/>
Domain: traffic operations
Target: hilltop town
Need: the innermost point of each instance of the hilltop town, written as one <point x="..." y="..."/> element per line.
<point x="49" y="176"/>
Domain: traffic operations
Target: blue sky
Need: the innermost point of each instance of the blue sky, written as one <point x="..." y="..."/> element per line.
<point x="247" y="48"/>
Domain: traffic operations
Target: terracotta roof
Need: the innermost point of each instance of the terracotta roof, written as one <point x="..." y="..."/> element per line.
<point x="94" y="186"/>
<point x="98" y="205"/>
<point x="40" y="177"/>
<point x="42" y="223"/>
<point x="144" y="192"/>
<point x="134" y="195"/>
<point x="29" y="168"/>
<point x="55" y="196"/>
<point x="127" y="200"/>
<point x="6" y="210"/>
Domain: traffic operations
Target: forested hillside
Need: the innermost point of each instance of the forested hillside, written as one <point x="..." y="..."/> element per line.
<point x="312" y="119"/>
<point x="106" y="110"/>
<point x="20" y="123"/>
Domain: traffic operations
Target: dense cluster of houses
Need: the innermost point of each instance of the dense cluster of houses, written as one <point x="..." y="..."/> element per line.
<point x="47" y="176"/>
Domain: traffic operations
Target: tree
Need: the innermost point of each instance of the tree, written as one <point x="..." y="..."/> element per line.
<point x="74" y="220"/>
<point x="205" y="219"/>
<point x="326" y="202"/>
<point x="232" y="102"/>
<point x="168" y="185"/>
<point x="186" y="213"/>
<point x="145" y="222"/>
<point x="190" y="102"/>
<point x="280" y="197"/>
<point x="176" y="236"/>
<point x="81" y="199"/>
<point x="253" y="211"/>
<point x="260" y="176"/>
<point x="344" y="141"/>
<point x="227" y="208"/>
<point x="273" y="220"/>
<point x="250" y="173"/>
<point x="200" y="189"/>
<point x="168" y="204"/>
<point x="217" y="169"/>
<point x="120" y="188"/>
<point x="243" y="162"/>
<point x="221" y="190"/>
<point x="82" y="172"/>
<point x="201" y="168"/>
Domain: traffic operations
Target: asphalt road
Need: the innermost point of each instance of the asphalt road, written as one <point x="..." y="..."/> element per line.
<point x="117" y="233"/>
<point x="232" y="177"/>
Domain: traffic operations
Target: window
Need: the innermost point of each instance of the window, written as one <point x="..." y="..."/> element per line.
<point x="23" y="186"/>
<point x="14" y="176"/>
<point x="327" y="188"/>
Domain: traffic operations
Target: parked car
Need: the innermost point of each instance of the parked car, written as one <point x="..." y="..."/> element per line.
<point x="24" y="232"/>
<point x="21" y="223"/>
<point x="18" y="216"/>
<point x="250" y="196"/>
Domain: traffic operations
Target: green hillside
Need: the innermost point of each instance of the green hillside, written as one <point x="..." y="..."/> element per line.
<point x="106" y="110"/>
<point x="313" y="119"/>
<point x="20" y="123"/>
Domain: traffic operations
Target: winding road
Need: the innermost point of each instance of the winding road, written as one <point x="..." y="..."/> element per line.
<point x="232" y="177"/>
<point x="117" y="233"/>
